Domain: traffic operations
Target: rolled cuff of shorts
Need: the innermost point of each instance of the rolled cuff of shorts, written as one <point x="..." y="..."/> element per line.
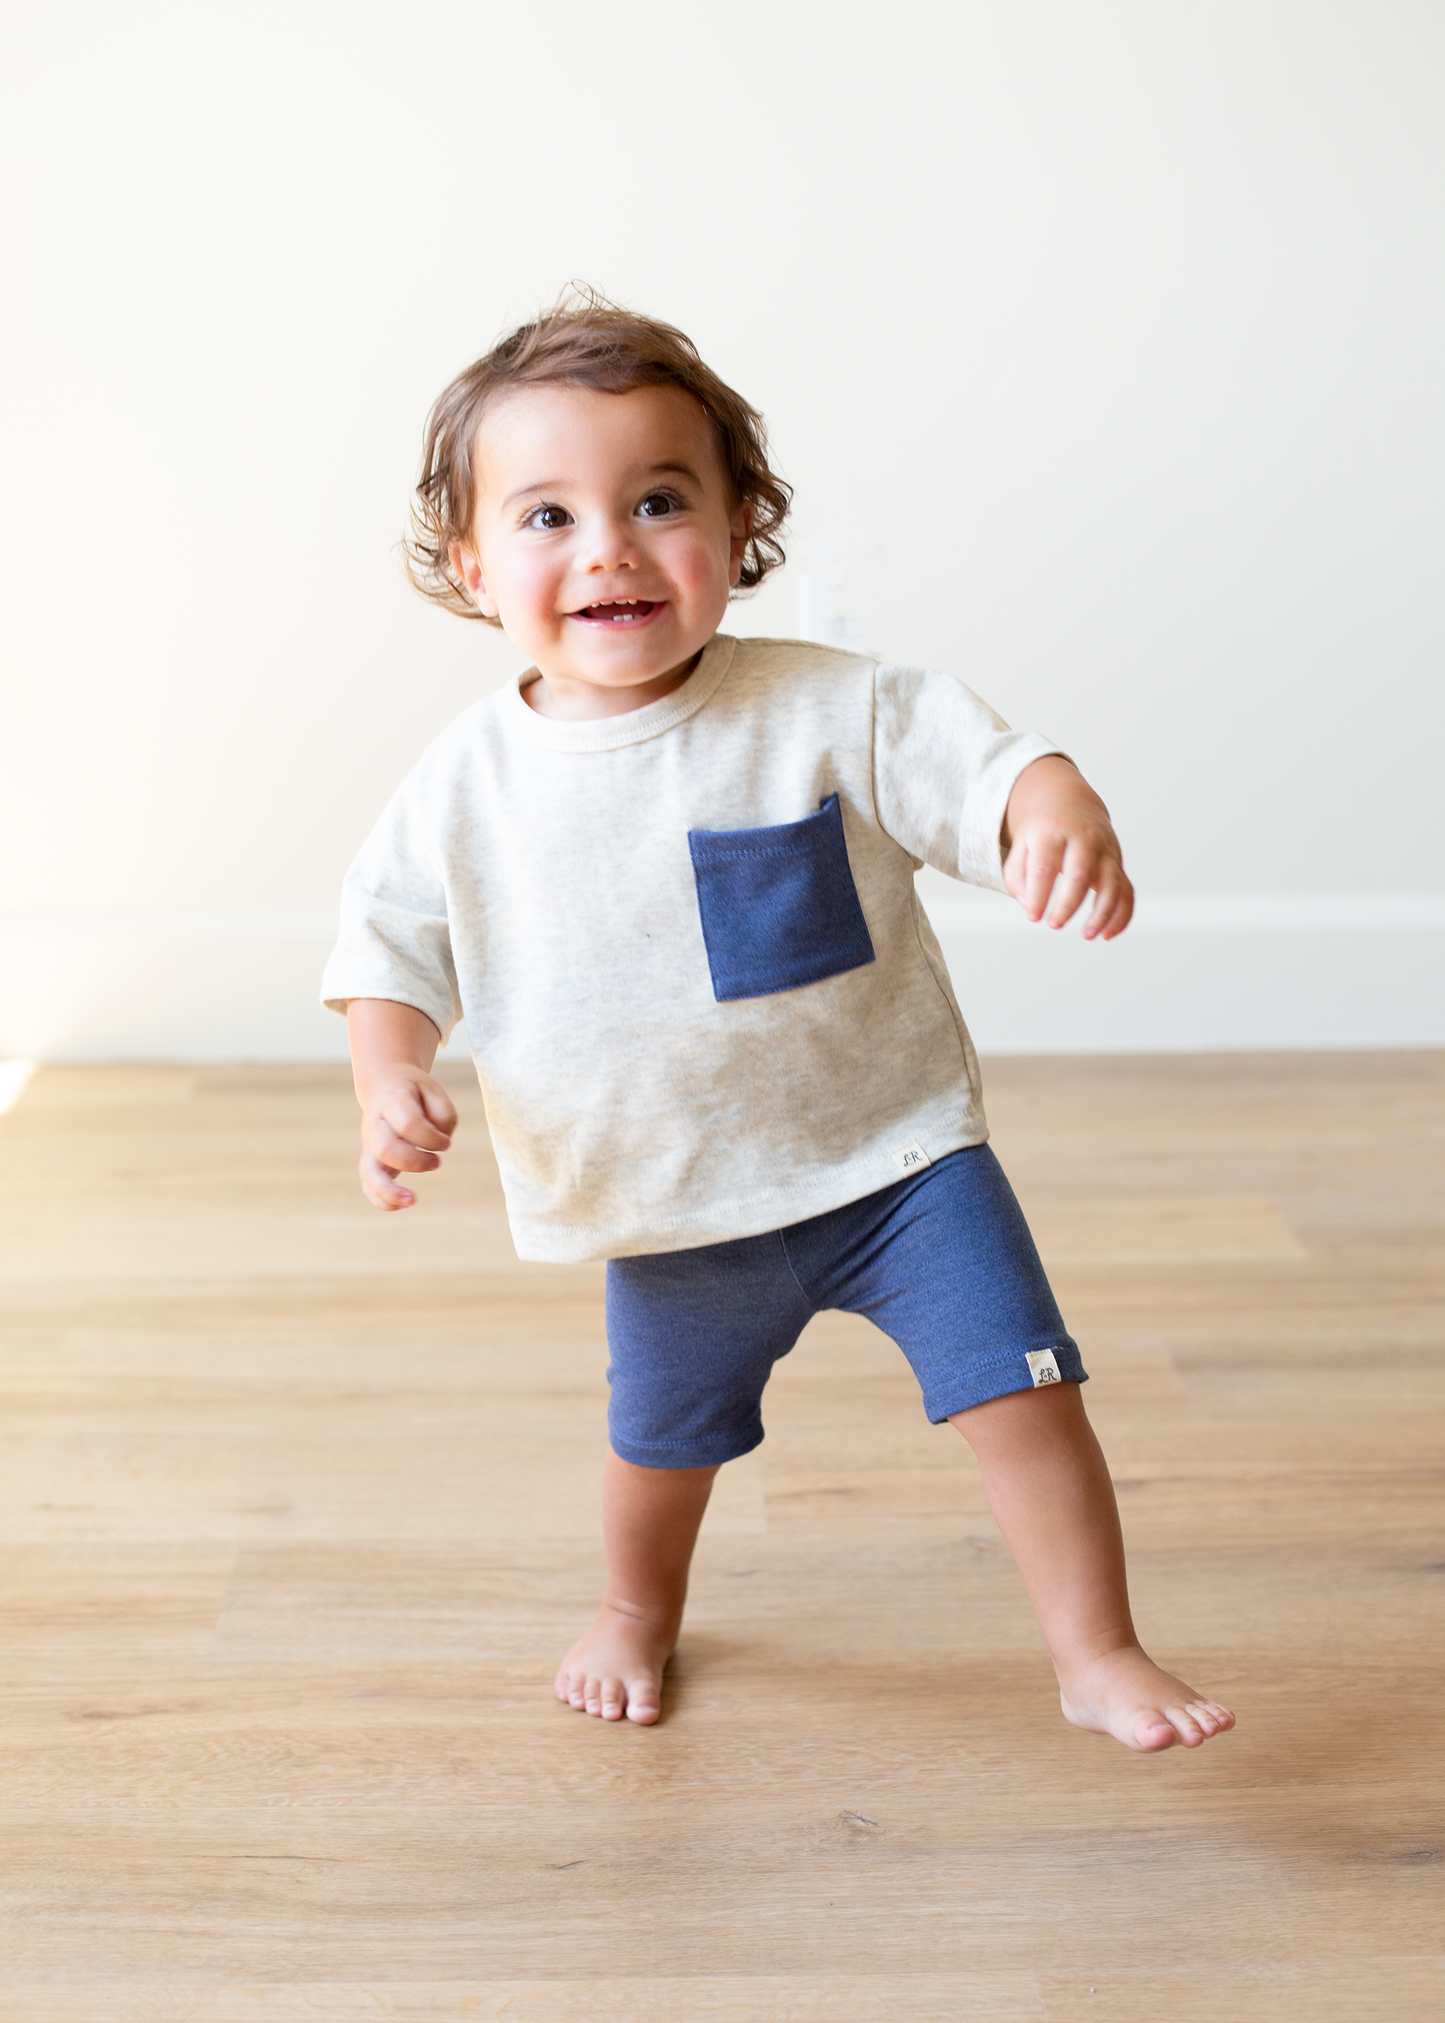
<point x="711" y="1451"/>
<point x="1004" y="1375"/>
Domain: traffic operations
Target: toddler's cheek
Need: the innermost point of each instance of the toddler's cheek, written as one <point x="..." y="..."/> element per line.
<point x="527" y="602"/>
<point x="699" y="571"/>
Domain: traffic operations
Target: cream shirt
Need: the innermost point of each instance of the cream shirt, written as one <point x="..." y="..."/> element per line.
<point x="653" y="1083"/>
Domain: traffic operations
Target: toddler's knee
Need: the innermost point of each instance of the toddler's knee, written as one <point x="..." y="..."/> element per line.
<point x="1046" y="1408"/>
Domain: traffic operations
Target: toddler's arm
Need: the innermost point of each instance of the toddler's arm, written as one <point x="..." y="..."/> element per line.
<point x="407" y="1117"/>
<point x="1057" y="839"/>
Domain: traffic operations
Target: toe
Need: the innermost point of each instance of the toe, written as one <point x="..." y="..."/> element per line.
<point x="1211" y="1716"/>
<point x="614" y="1699"/>
<point x="642" y="1702"/>
<point x="1153" y="1730"/>
<point x="592" y="1696"/>
<point x="1189" y="1731"/>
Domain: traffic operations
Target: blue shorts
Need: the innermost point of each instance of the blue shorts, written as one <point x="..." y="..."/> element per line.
<point x="942" y="1262"/>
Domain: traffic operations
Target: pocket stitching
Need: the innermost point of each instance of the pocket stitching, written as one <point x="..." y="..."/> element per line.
<point x="822" y="855"/>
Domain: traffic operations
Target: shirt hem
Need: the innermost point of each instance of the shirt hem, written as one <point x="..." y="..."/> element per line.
<point x="752" y="1215"/>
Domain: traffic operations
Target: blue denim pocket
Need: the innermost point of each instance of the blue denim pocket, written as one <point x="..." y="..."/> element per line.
<point x="779" y="907"/>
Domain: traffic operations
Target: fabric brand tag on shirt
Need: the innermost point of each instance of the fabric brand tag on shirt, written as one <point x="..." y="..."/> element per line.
<point x="910" y="1158"/>
<point x="1043" y="1367"/>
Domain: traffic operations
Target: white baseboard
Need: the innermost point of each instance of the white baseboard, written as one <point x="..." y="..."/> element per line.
<point x="1201" y="973"/>
<point x="233" y="984"/>
<point x="1205" y="973"/>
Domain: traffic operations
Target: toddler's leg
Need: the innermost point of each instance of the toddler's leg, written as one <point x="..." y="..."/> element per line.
<point x="1048" y="1485"/>
<point x="650" y="1520"/>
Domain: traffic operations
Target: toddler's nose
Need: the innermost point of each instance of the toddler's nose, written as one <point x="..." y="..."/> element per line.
<point x="611" y="546"/>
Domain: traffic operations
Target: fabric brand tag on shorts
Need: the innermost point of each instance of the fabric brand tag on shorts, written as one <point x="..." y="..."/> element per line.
<point x="1043" y="1366"/>
<point x="910" y="1158"/>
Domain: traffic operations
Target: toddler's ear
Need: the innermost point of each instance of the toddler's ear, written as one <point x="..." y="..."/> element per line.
<point x="742" y="527"/>
<point x="465" y="564"/>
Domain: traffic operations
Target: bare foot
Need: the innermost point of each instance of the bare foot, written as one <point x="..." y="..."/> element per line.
<point x="616" y="1668"/>
<point x="1126" y="1695"/>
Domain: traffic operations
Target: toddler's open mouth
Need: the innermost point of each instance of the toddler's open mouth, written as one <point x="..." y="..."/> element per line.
<point x="619" y="612"/>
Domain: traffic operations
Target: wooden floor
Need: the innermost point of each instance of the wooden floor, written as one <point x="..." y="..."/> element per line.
<point x="298" y="1507"/>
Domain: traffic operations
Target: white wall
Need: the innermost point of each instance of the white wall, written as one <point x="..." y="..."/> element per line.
<point x="1102" y="336"/>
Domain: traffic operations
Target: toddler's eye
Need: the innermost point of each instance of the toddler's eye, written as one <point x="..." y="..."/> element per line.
<point x="548" y="518"/>
<point x="657" y="506"/>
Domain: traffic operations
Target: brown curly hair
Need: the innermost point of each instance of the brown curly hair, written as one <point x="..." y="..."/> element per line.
<point x="583" y="340"/>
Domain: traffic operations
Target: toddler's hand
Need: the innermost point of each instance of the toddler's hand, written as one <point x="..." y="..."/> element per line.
<point x="407" y="1122"/>
<point x="1059" y="846"/>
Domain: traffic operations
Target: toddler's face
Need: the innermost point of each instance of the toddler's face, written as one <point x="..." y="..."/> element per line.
<point x="605" y="539"/>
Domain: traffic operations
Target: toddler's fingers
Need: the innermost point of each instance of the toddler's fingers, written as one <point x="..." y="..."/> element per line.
<point x="1116" y="923"/>
<point x="379" y="1184"/>
<point x="1113" y="906"/>
<point x="1042" y="862"/>
<point x="399" y="1153"/>
<point x="1078" y="875"/>
<point x="439" y="1107"/>
<point x="411" y="1125"/>
<point x="1121" y="916"/>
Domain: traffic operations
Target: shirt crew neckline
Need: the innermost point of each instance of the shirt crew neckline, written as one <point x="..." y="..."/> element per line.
<point x="610" y="733"/>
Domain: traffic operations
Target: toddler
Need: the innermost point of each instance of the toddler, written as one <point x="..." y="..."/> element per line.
<point x="667" y="879"/>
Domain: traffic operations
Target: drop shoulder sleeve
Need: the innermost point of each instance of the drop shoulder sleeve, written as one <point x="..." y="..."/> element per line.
<point x="944" y="765"/>
<point x="395" y="941"/>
